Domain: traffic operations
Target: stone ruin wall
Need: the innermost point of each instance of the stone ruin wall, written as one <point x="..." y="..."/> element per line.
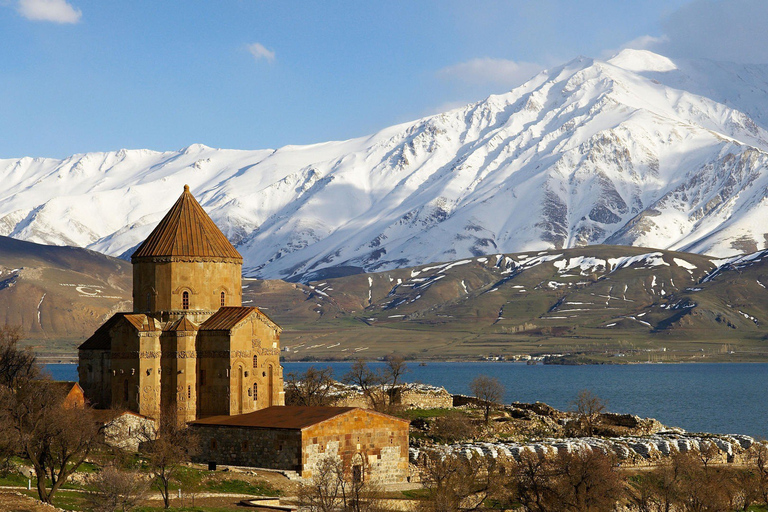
<point x="412" y="396"/>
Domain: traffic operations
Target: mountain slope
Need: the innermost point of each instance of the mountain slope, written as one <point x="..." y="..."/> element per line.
<point x="59" y="295"/>
<point x="594" y="300"/>
<point x="638" y="150"/>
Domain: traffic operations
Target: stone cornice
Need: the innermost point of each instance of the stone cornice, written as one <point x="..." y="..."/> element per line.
<point x="186" y="259"/>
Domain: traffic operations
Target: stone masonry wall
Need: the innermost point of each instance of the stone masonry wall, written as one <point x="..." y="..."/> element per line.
<point x="377" y="442"/>
<point x="253" y="447"/>
<point x="411" y="396"/>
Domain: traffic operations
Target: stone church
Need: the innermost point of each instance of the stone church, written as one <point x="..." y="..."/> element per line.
<point x="189" y="346"/>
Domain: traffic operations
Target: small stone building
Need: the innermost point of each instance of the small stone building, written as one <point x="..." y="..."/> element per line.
<point x="372" y="446"/>
<point x="189" y="345"/>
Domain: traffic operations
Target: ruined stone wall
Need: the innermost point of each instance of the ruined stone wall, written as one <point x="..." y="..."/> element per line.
<point x="253" y="447"/>
<point x="426" y="399"/>
<point x="412" y="396"/>
<point x="377" y="442"/>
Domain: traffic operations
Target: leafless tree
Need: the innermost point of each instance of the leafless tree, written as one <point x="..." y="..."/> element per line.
<point x="457" y="483"/>
<point x="36" y="424"/>
<point x="312" y="387"/>
<point x="453" y="427"/>
<point x="588" y="407"/>
<point x="393" y="372"/>
<point x="586" y="480"/>
<point x="381" y="388"/>
<point x="16" y="364"/>
<point x="758" y="464"/>
<point x="116" y="489"/>
<point x="488" y="391"/>
<point x="534" y="478"/>
<point x="167" y="448"/>
<point x="332" y="489"/>
<point x="370" y="383"/>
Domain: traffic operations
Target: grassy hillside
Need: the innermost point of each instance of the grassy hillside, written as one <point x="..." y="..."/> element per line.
<point x="607" y="303"/>
<point x="59" y="295"/>
<point x="597" y="303"/>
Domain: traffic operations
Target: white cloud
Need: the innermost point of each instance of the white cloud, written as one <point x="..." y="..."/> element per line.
<point x="725" y="30"/>
<point x="57" y="11"/>
<point x="259" y="51"/>
<point x="650" y="43"/>
<point x="488" y="71"/>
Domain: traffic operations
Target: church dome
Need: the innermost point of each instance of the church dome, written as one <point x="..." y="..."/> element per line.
<point x="187" y="231"/>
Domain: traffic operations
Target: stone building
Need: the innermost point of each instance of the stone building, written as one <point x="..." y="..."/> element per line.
<point x="188" y="346"/>
<point x="372" y="446"/>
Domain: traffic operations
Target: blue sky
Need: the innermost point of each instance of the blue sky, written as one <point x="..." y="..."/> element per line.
<point x="96" y="75"/>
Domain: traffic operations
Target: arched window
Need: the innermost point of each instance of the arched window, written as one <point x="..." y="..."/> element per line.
<point x="223" y="297"/>
<point x="255" y="392"/>
<point x="255" y="361"/>
<point x="185" y="300"/>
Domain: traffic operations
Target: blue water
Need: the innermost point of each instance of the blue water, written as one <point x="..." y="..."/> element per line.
<point x="719" y="398"/>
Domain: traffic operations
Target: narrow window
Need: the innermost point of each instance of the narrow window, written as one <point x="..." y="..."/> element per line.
<point x="214" y="445"/>
<point x="185" y="300"/>
<point x="255" y="395"/>
<point x="189" y="392"/>
<point x="357" y="473"/>
<point x="255" y="361"/>
<point x="222" y="299"/>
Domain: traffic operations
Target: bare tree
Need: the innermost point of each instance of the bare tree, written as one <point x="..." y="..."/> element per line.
<point x="586" y="480"/>
<point x="534" y="483"/>
<point x="588" y="407"/>
<point x="333" y="488"/>
<point x="16" y="365"/>
<point x="312" y="387"/>
<point x="394" y="370"/>
<point x="458" y="483"/>
<point x="758" y="464"/>
<point x="36" y="424"/>
<point x="370" y="383"/>
<point x="116" y="490"/>
<point x="167" y="448"/>
<point x="488" y="391"/>
<point x="453" y="427"/>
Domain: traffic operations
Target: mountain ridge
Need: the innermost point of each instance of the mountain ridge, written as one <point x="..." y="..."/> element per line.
<point x="614" y="151"/>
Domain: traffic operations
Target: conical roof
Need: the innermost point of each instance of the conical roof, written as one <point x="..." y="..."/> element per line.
<point x="187" y="231"/>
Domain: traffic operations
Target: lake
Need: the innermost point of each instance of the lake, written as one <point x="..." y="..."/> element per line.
<point x="727" y="398"/>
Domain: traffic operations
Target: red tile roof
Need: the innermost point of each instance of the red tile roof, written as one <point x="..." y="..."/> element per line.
<point x="186" y="230"/>
<point x="289" y="417"/>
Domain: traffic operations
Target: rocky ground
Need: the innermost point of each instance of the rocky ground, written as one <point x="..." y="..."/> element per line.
<point x="542" y="429"/>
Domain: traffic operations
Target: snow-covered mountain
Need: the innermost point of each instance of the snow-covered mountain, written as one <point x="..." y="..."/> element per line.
<point x="638" y="150"/>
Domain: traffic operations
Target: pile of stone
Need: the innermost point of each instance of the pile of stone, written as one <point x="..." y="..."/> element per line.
<point x="630" y="450"/>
